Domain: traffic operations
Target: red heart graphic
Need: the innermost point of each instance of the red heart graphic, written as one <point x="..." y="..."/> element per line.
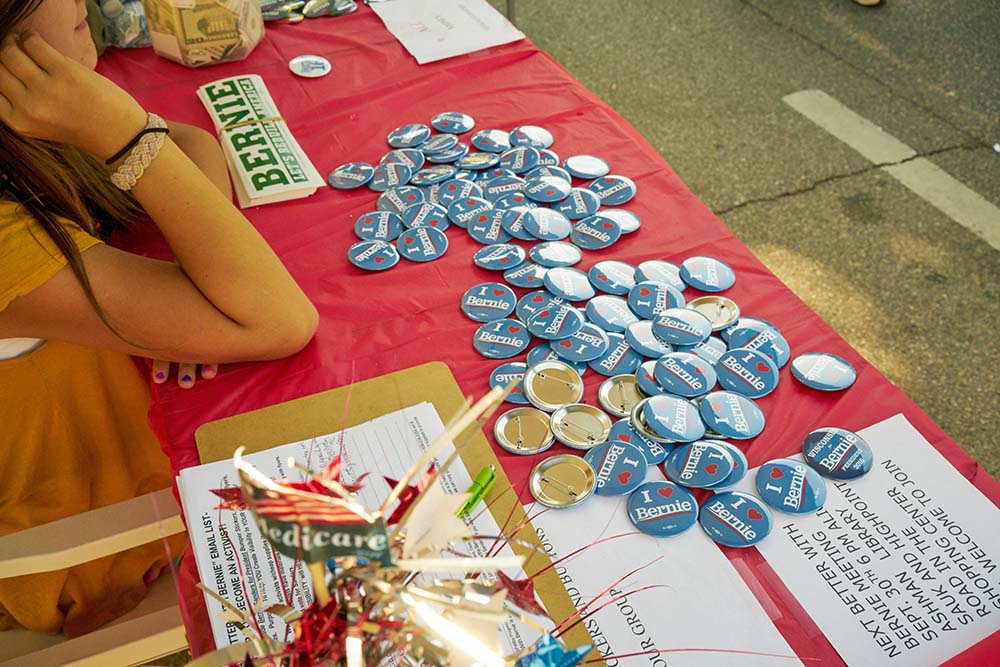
<point x="482" y="218"/>
<point x="452" y="187"/>
<point x="762" y="367"/>
<point x="531" y="279"/>
<point x="504" y="260"/>
<point x="566" y="343"/>
<point x="515" y="390"/>
<point x="609" y="225"/>
<point x="625" y="437"/>
<point x="776" y="473"/>
<point x="409" y="240"/>
<point x="544" y="313"/>
<point x="754" y="515"/>
<point x="665" y="491"/>
<point x="411" y="196"/>
<point x="538" y="298"/>
<point x="712" y="468"/>
<point x="434" y="223"/>
<point x="699" y="372"/>
<point x="379" y="260"/>
<point x="643" y="291"/>
<point x="601" y="276"/>
<point x="498" y="292"/>
<point x="624" y="477"/>
<point x="513" y="329"/>
<point x="650" y="377"/>
<point x="550" y="192"/>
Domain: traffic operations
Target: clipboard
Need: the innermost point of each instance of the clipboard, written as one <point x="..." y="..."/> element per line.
<point x="330" y="411"/>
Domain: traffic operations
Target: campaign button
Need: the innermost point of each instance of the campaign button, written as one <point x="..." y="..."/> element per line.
<point x="662" y="509"/>
<point x="554" y="254"/>
<point x="510" y="200"/>
<point x="378" y="225"/>
<point x="595" y="232"/>
<point x="684" y="374"/>
<point x="432" y="175"/>
<point x="411" y="157"/>
<point x="735" y="519"/>
<point x="542" y="352"/>
<point x="660" y="271"/>
<point x="549" y="158"/>
<point x="461" y="211"/>
<point x="580" y="426"/>
<point x="453" y="121"/>
<point x="650" y="298"/>
<point x="720" y="311"/>
<point x="453" y="154"/>
<point x="310" y="66"/>
<point x="454" y="189"/>
<point x="580" y="204"/>
<point x="640" y="336"/>
<point x="497" y="187"/>
<point x="399" y="198"/>
<point x="619" y="359"/>
<point x="838" y="453"/>
<point x="755" y="322"/>
<point x="740" y="465"/>
<point x="757" y="335"/>
<point x="546" y="225"/>
<point x="426" y="215"/>
<point x="747" y="372"/>
<point x="488" y="301"/>
<point x="551" y="171"/>
<point x="376" y="255"/>
<point x="561" y="481"/>
<point x="533" y="136"/>
<point x="477" y="161"/>
<point x="646" y="378"/>
<point x="498" y="256"/>
<point x="351" y="175"/>
<point x="586" y="166"/>
<point x="547" y="189"/>
<point x="408" y="136"/>
<point x="528" y="275"/>
<point x="731" y="415"/>
<point x="824" y="371"/>
<point x="710" y="350"/>
<point x="550" y="385"/>
<point x="486" y="228"/>
<point x="627" y="220"/>
<point x="501" y="339"/>
<point x="388" y="175"/>
<point x="680" y="326"/>
<point x="587" y="344"/>
<point x="555" y="322"/>
<point x="569" y="283"/>
<point x="536" y="301"/>
<point x="491" y="141"/>
<point x="673" y="418"/>
<point x="439" y="143"/>
<point x="707" y="274"/>
<point x="702" y="465"/>
<point x="790" y="486"/>
<point x="656" y="452"/>
<point x="496" y="172"/>
<point x="520" y="159"/>
<point x="619" y="394"/>
<point x="422" y="244"/>
<point x="620" y="467"/>
<point x="613" y="190"/>
<point x="513" y="222"/>
<point x="504" y="374"/>
<point x="612" y="277"/>
<point x="611" y="313"/>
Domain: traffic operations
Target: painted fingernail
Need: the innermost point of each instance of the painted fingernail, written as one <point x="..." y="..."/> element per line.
<point x="186" y="378"/>
<point x="160" y="376"/>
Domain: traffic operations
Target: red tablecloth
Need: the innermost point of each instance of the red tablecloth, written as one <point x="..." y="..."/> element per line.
<point x="377" y="323"/>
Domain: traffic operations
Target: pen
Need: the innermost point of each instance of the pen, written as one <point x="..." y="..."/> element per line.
<point x="480" y="486"/>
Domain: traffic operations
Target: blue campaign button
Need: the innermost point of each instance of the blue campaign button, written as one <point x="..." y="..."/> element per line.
<point x="547" y="189"/>
<point x="731" y="415"/>
<point x="650" y="298"/>
<point x="579" y="204"/>
<point x="613" y="190"/>
<point x="498" y="257"/>
<point x="743" y="320"/>
<point x="656" y="452"/>
<point x="568" y="283"/>
<point x="376" y="255"/>
<point x="453" y="121"/>
<point x="551" y="171"/>
<point x="620" y="467"/>
<point x="586" y="166"/>
<point x="682" y="326"/>
<point x="453" y="154"/>
<point x="790" y="486"/>
<point x="662" y="509"/>
<point x="399" y="198"/>
<point x="735" y="519"/>
<point x="426" y="215"/>
<point x="411" y="157"/>
<point x="673" y="418"/>
<point x="710" y="350"/>
<point x="528" y="275"/>
<point x="747" y="372"/>
<point x="496" y="172"/>
<point x="618" y="360"/>
<point x="511" y="200"/>
<point x="488" y="301"/>
<point x="595" y="233"/>
<point x="533" y="136"/>
<point x="504" y="374"/>
<point x="532" y="302"/>
<point x="646" y="379"/>
<point x="520" y="159"/>
<point x="351" y="175"/>
<point x="513" y="222"/>
<point x="432" y="175"/>
<point x="740" y="465"/>
<point x="611" y="313"/>
<point x="422" y="244"/>
<point x="587" y="344"/>
<point x="491" y="141"/>
<point x="627" y="220"/>
<point x="707" y="274"/>
<point x="408" y="136"/>
<point x="555" y="322"/>
<point x="824" y="371"/>
<point x="462" y="211"/>
<point x="388" y="175"/>
<point x="702" y="465"/>
<point x="660" y="271"/>
<point x="555" y="254"/>
<point x="549" y="158"/>
<point x="378" y="225"/>
<point x="640" y="336"/>
<point x="439" y="143"/>
<point x="501" y="339"/>
<point x="487" y="229"/>
<point x="542" y="352"/>
<point x="454" y="189"/>
<point x="684" y="374"/>
<point x="838" y="453"/>
<point x="546" y="224"/>
<point x="477" y="161"/>
<point x="497" y="187"/>
<point x="754" y="334"/>
<point x="612" y="277"/>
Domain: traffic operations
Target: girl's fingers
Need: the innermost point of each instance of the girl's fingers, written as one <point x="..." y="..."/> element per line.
<point x="185" y="375"/>
<point x="161" y="371"/>
<point x="209" y="371"/>
<point x="44" y="55"/>
<point x="18" y="63"/>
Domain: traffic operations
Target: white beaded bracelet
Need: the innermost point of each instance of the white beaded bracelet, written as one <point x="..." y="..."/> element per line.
<point x="128" y="174"/>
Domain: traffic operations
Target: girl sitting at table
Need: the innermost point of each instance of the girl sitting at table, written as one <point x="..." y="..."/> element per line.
<point x="79" y="159"/>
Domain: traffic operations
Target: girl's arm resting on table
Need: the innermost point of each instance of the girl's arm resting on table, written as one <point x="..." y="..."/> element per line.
<point x="204" y="150"/>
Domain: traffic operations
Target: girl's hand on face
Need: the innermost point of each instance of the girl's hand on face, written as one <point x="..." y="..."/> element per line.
<point x="185" y="372"/>
<point x="45" y="95"/>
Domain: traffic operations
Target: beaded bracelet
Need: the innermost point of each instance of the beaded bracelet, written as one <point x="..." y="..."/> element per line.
<point x="143" y="153"/>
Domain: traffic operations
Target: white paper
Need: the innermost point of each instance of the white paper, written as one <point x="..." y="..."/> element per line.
<point x="386" y="446"/>
<point x="900" y="566"/>
<point x="438" y="29"/>
<point x="704" y="603"/>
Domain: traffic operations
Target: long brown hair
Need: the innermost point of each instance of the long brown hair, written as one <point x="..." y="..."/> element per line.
<point x="53" y="180"/>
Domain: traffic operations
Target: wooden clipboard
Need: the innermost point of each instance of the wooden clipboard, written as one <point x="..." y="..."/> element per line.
<point x="336" y="409"/>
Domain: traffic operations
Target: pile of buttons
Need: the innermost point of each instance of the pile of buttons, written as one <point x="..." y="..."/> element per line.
<point x="293" y="11"/>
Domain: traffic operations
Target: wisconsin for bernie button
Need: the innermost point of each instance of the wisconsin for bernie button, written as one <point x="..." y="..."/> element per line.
<point x="824" y="371"/>
<point x="747" y="372"/>
<point x="662" y="509"/>
<point x="700" y="465"/>
<point x="488" y="301"/>
<point x="790" y="486"/>
<point x="735" y="519"/>
<point x="838" y="453"/>
<point x="620" y="467"/>
<point x="501" y="339"/>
